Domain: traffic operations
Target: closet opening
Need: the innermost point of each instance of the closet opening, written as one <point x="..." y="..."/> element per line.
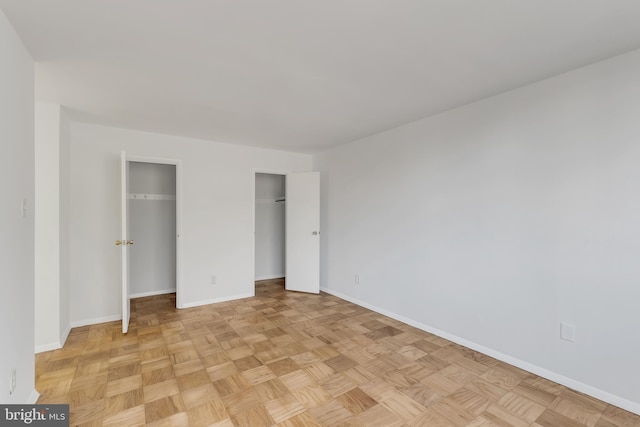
<point x="153" y="227"/>
<point x="270" y="221"/>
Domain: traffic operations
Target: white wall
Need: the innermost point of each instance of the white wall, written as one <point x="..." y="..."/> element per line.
<point x="152" y="178"/>
<point x="64" y="226"/>
<point x="52" y="324"/>
<point x="47" y="226"/>
<point x="217" y="199"/>
<point x="153" y="229"/>
<point x="17" y="249"/>
<point x="494" y="222"/>
<point x="270" y="226"/>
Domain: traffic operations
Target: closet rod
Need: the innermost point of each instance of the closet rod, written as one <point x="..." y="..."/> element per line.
<point x="138" y="196"/>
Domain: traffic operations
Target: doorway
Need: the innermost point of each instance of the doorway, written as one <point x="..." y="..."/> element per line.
<point x="294" y="252"/>
<point x="159" y="186"/>
<point x="270" y="222"/>
<point x="152" y="216"/>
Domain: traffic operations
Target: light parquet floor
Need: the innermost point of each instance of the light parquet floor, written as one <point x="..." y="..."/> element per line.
<point x="291" y="359"/>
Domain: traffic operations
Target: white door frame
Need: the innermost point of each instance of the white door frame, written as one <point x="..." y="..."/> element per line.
<point x="253" y="216"/>
<point x="178" y="165"/>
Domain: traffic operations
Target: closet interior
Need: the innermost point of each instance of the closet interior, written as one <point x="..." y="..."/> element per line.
<point x="152" y="216"/>
<point x="270" y="226"/>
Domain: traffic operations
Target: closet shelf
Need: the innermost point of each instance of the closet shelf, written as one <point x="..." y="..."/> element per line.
<point x="277" y="199"/>
<point x="138" y="196"/>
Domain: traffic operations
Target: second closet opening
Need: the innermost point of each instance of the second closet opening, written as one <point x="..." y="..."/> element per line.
<point x="270" y="224"/>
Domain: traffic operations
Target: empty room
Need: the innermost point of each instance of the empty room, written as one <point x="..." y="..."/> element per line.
<point x="327" y="213"/>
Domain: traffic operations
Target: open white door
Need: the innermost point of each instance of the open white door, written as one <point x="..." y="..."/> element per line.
<point x="124" y="242"/>
<point x="303" y="232"/>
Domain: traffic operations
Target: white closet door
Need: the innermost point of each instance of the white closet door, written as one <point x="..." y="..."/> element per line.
<point x="303" y="232"/>
<point x="124" y="241"/>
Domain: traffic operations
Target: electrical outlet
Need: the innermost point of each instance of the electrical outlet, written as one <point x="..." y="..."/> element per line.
<point x="357" y="279"/>
<point x="567" y="332"/>
<point x="23" y="207"/>
<point x="213" y="279"/>
<point x="12" y="381"/>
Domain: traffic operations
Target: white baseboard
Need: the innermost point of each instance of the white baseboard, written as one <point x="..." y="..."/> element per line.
<point x="33" y="398"/>
<point x="277" y="276"/>
<point x="152" y="293"/>
<point x="41" y="348"/>
<point x="113" y="318"/>
<point x="95" y="321"/>
<point x="65" y="335"/>
<point x="216" y="300"/>
<point x="607" y="397"/>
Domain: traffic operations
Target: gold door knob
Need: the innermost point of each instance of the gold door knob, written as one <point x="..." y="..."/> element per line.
<point x="129" y="242"/>
<point x="118" y="242"/>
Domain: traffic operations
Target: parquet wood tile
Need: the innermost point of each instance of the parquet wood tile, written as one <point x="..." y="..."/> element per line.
<point x="337" y="384"/>
<point x="620" y="417"/>
<point x="537" y="395"/>
<point x="283" y="366"/>
<point x="378" y="389"/>
<point x="121" y="402"/>
<point x="86" y="393"/>
<point x="431" y="418"/>
<point x="199" y="395"/>
<point x="356" y="401"/>
<point x="319" y="371"/>
<point x="441" y="384"/>
<point x="258" y="375"/>
<point x="312" y="396"/>
<point x="331" y="413"/>
<point x="188" y="367"/>
<point x="122" y="385"/>
<point x="284" y="408"/>
<point x="550" y="418"/>
<point x="241" y="401"/>
<point x="471" y="401"/>
<point x="160" y="390"/>
<point x="88" y="412"/>
<point x="500" y="416"/>
<point x="578" y="407"/>
<point x="132" y="417"/>
<point x="164" y="372"/>
<point x="207" y="413"/>
<point x="301" y="420"/>
<point x="486" y="389"/>
<point x="501" y="378"/>
<point x="193" y="379"/>
<point x="256" y="416"/>
<point x="163" y="407"/>
<point x="270" y="390"/>
<point x="521" y="406"/>
<point x="297" y="379"/>
<point x="450" y="410"/>
<point x="290" y="359"/>
<point x="180" y="419"/>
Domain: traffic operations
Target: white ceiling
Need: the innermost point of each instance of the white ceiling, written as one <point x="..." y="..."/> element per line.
<point x="303" y="75"/>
